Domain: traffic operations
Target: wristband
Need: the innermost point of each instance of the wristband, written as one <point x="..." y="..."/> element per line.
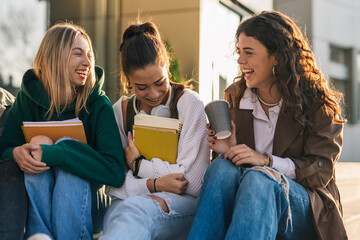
<point x="154" y="185"/>
<point x="137" y="160"/>
<point x="270" y="159"/>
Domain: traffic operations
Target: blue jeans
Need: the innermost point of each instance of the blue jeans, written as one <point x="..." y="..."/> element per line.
<point x="59" y="205"/>
<point x="248" y="204"/>
<point x="141" y="217"/>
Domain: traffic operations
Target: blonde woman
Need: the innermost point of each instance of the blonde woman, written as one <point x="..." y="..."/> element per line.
<point x="61" y="177"/>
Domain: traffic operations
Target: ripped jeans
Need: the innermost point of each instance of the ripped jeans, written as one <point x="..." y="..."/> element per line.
<point x="141" y="217"/>
<point x="244" y="203"/>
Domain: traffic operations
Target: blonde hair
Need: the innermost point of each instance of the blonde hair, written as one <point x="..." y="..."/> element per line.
<point x="51" y="67"/>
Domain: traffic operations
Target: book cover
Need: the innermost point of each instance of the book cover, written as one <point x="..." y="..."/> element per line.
<point x="55" y="130"/>
<point x="157" y="137"/>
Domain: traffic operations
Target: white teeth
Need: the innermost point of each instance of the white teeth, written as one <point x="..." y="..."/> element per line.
<point x="82" y="72"/>
<point x="247" y="71"/>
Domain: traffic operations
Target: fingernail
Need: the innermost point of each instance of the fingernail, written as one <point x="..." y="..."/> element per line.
<point x="208" y="124"/>
<point x="223" y="156"/>
<point x="129" y="133"/>
<point x="213" y="142"/>
<point x="212" y="132"/>
<point x="215" y="138"/>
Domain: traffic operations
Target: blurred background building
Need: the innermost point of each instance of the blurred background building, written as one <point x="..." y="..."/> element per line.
<point x="201" y="34"/>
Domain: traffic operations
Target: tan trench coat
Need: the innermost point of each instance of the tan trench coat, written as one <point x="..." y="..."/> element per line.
<point x="314" y="154"/>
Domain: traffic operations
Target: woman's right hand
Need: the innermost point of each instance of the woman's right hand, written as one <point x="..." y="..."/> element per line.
<point x="223" y="145"/>
<point x="26" y="162"/>
<point x="173" y="182"/>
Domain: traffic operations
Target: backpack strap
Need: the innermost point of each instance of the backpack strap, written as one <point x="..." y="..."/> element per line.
<point x="130" y="114"/>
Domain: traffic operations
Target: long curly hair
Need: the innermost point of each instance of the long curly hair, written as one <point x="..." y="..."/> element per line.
<point x="301" y="83"/>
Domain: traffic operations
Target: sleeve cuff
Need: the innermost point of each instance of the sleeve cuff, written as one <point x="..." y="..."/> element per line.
<point x="284" y="165"/>
<point x="52" y="155"/>
<point x="146" y="169"/>
<point x="135" y="186"/>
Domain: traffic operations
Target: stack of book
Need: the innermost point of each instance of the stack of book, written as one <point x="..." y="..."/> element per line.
<point x="157" y="137"/>
<point x="72" y="128"/>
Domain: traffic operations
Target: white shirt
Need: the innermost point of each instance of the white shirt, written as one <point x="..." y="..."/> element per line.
<point x="264" y="130"/>
<point x="193" y="154"/>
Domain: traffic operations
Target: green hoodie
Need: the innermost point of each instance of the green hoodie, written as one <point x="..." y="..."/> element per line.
<point x="101" y="160"/>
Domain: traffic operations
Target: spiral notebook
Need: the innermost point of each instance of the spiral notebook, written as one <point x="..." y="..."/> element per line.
<point x="55" y="130"/>
<point x="157" y="137"/>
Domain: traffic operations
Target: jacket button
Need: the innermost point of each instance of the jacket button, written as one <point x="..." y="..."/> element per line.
<point x="330" y="205"/>
<point x="321" y="164"/>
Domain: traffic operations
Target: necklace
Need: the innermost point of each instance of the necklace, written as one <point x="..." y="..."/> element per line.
<point x="265" y="103"/>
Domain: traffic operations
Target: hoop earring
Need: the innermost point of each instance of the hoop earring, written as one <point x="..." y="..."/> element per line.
<point x="273" y="71"/>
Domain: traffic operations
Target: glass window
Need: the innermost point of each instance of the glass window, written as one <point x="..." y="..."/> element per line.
<point x="343" y="86"/>
<point x="337" y="54"/>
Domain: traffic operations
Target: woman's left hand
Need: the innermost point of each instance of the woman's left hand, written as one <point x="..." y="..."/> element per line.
<point x="242" y="154"/>
<point x="131" y="152"/>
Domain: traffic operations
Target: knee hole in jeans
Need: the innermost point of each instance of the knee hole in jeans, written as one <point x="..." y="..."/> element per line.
<point x="161" y="202"/>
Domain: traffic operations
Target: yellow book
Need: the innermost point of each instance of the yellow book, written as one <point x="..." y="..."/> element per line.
<point x="157" y="137"/>
<point x="55" y="130"/>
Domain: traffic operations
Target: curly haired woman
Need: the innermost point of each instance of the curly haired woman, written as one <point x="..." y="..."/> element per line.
<point x="275" y="177"/>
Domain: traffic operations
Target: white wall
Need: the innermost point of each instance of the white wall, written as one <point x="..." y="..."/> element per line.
<point x="258" y="5"/>
<point x="218" y="26"/>
<point x="217" y="42"/>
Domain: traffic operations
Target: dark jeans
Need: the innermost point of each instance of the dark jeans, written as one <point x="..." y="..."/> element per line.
<point x="13" y="201"/>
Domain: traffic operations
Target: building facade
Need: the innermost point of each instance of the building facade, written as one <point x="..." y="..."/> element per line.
<point x="331" y="26"/>
<point x="202" y="35"/>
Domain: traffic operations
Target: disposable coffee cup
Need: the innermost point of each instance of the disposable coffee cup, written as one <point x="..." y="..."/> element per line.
<point x="218" y="115"/>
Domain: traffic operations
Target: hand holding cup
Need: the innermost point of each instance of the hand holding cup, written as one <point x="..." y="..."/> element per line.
<point x="221" y="136"/>
<point x="218" y="114"/>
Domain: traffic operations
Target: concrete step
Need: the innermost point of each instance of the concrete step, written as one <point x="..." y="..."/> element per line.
<point x="352" y="219"/>
<point x="348" y="180"/>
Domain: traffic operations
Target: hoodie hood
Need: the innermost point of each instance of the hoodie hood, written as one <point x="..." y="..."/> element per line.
<point x="33" y="88"/>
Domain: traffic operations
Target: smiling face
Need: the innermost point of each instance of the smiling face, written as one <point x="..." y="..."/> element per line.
<point x="255" y="62"/>
<point x="151" y="86"/>
<point x="80" y="61"/>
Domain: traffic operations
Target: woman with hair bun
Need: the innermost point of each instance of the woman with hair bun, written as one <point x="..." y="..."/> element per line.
<point x="158" y="200"/>
<point x="274" y="178"/>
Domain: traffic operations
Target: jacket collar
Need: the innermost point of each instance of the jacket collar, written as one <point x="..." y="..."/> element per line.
<point x="286" y="129"/>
